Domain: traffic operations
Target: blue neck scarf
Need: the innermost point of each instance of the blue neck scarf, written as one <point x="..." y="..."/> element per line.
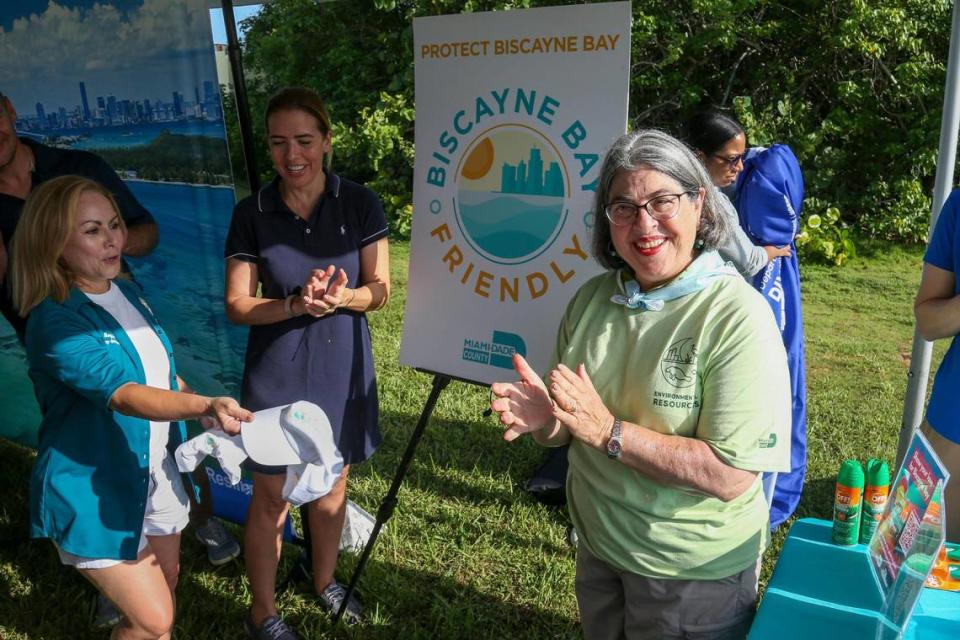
<point x="708" y="266"/>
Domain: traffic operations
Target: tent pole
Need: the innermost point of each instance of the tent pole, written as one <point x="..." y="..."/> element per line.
<point x="240" y="93"/>
<point x="920" y="357"/>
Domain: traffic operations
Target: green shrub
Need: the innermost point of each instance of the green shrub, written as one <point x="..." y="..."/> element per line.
<point x="823" y="236"/>
<point x="855" y="87"/>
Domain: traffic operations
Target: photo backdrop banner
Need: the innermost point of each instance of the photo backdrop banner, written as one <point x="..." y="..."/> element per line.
<point x="515" y="110"/>
<point x="135" y="82"/>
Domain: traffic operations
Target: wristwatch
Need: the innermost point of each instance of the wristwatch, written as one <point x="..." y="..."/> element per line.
<point x="615" y="443"/>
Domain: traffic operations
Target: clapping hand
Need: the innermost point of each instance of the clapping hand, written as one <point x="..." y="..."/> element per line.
<point x="579" y="407"/>
<point x="323" y="291"/>
<point x="523" y="406"/>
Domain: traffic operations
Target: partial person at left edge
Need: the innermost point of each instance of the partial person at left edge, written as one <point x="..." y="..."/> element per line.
<point x="104" y="486"/>
<point x="26" y="164"/>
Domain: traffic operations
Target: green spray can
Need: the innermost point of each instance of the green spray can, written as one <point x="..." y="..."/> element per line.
<point x="874" y="497"/>
<point x="847" y="503"/>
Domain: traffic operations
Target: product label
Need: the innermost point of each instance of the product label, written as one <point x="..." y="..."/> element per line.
<point x="874" y="502"/>
<point x="846" y="514"/>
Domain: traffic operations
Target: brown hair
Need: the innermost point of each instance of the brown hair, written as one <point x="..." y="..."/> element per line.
<point x="48" y="220"/>
<point x="299" y="99"/>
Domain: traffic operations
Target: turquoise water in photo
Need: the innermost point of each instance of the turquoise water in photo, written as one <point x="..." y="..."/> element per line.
<point x="509" y="226"/>
<point x="183" y="283"/>
<point x="140" y="134"/>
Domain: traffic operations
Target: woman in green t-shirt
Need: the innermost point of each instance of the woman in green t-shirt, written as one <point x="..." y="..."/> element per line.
<point x="670" y="383"/>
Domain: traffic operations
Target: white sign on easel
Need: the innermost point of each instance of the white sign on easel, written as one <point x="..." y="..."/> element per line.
<point x="515" y="110"/>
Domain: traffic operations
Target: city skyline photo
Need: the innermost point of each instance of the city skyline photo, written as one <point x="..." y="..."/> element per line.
<point x="125" y="49"/>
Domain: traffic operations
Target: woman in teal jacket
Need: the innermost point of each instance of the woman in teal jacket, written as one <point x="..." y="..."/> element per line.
<point x="104" y="487"/>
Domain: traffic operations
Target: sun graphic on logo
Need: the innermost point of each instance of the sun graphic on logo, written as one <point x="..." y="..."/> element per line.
<point x="478" y="163"/>
<point x="512" y="186"/>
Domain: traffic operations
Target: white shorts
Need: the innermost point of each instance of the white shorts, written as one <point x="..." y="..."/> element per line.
<point x="167" y="512"/>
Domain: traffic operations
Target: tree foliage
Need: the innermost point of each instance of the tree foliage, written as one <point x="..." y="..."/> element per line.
<point x="855" y="87"/>
<point x="173" y="157"/>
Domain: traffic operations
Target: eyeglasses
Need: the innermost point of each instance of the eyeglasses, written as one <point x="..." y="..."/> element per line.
<point x="661" y="208"/>
<point x="731" y="161"/>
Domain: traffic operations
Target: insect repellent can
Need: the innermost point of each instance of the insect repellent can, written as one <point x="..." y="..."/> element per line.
<point x="847" y="503"/>
<point x="874" y="497"/>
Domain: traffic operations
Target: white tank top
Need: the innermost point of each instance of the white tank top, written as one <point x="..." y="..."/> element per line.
<point x="153" y="358"/>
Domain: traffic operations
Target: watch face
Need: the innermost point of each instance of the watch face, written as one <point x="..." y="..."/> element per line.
<point x="613" y="448"/>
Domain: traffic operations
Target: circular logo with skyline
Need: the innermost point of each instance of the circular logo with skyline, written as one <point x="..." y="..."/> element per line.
<point x="511" y="190"/>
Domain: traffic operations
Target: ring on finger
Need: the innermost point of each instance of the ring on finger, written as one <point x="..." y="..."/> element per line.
<point x="573" y="406"/>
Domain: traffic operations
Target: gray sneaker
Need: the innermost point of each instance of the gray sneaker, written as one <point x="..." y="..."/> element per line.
<point x="272" y="628"/>
<point x="331" y="599"/>
<point x="106" y="615"/>
<point x="221" y="546"/>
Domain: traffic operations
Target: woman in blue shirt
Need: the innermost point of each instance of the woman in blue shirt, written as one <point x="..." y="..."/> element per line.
<point x="104" y="487"/>
<point x="937" y="309"/>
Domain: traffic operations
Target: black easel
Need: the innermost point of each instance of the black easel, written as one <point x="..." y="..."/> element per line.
<point x="440" y="381"/>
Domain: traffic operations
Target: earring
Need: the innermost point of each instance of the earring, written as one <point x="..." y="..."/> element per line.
<point x="698" y="243"/>
<point x="610" y="248"/>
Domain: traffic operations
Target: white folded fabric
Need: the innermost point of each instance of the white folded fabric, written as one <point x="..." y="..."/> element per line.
<point x="297" y="431"/>
<point x="307" y="482"/>
<point x="228" y="450"/>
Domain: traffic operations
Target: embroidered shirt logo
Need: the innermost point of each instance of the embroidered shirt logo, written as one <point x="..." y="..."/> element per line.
<point x="109" y="338"/>
<point x="679" y="365"/>
<point x="769" y="442"/>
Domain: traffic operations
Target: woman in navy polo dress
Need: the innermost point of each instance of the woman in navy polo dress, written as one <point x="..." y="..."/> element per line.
<point x="315" y="245"/>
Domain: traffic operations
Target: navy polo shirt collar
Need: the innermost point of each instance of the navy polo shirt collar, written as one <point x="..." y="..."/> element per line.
<point x="269" y="198"/>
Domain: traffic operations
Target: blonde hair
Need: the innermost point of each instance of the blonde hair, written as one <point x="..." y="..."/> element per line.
<point x="49" y="218"/>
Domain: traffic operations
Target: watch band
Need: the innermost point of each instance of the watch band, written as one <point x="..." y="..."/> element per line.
<point x="615" y="443"/>
<point x="288" y="305"/>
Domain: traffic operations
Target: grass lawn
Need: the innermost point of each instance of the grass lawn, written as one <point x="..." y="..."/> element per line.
<point x="468" y="554"/>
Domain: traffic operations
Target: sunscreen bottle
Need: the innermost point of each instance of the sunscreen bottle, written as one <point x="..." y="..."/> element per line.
<point x="847" y="503"/>
<point x="874" y="497"/>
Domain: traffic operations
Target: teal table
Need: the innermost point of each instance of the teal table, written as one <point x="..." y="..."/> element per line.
<point x="823" y="591"/>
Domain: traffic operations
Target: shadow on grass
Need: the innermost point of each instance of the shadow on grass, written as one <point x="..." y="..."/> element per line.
<point x="452" y="454"/>
<point x="40" y="598"/>
<point x="405" y="603"/>
<point x="817" y="499"/>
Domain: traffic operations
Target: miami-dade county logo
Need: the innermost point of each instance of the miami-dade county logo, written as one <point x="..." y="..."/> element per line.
<point x="679" y="365"/>
<point x="496" y="353"/>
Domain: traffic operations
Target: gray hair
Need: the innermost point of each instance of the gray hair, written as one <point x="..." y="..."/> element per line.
<point x="656" y="150"/>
